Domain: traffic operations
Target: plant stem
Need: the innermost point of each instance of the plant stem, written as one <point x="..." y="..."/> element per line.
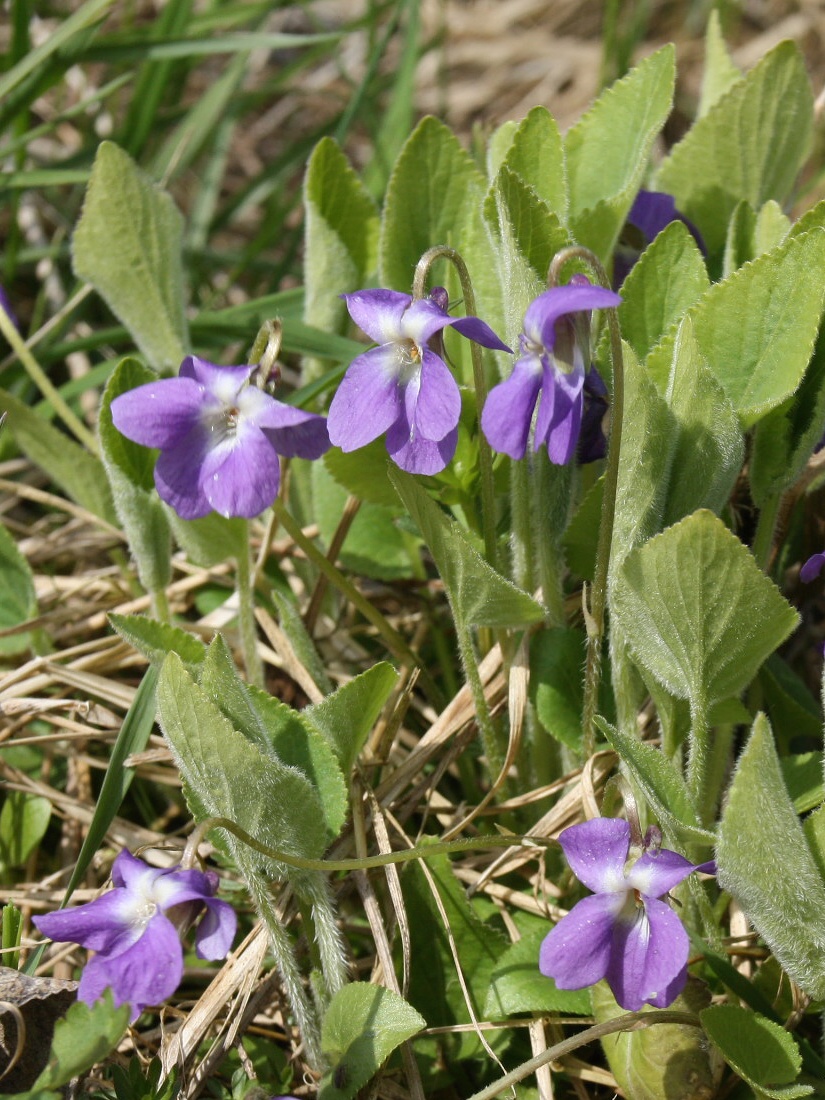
<point x="765" y="527"/>
<point x="594" y="616"/>
<point x="41" y="380"/>
<point x="246" y="616"/>
<point x="485" y="454"/>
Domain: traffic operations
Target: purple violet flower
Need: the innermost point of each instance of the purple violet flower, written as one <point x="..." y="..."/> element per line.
<point x="812" y="568"/>
<point x="138" y="950"/>
<point x="5" y="303"/>
<point x="623" y="932"/>
<point x="552" y="364"/>
<point x="402" y="387"/>
<point x="219" y="435"/>
<point x="651" y="212"/>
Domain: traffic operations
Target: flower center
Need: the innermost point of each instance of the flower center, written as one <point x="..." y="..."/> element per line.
<point x="143" y="912"/>
<point x="222" y="422"/>
<point x="409" y="360"/>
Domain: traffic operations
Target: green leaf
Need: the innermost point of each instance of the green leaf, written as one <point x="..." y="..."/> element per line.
<point x="536" y="157"/>
<point x="375" y="545"/>
<point x="363" y="473"/>
<point x="361" y="1028"/>
<point x="720" y="73"/>
<point x="750" y="145"/>
<point x="709" y="445"/>
<point x="785" y="439"/>
<point x="299" y="744"/>
<point x="18" y="599"/>
<point x="476" y="592"/>
<point x="211" y="539"/>
<point x="340" y="237"/>
<point x="667" y="279"/>
<point x="535" y="228"/>
<point x="23" y="823"/>
<point x="669" y="1060"/>
<point x="127" y="244"/>
<point x="756" y="329"/>
<point x="133" y="737"/>
<point x="129" y="467"/>
<point x="346" y="718"/>
<point x="556" y="662"/>
<point x="155" y="640"/>
<point x="764" y="861"/>
<point x="293" y="626"/>
<point x="608" y="148"/>
<point x="697" y="611"/>
<point x="227" y="775"/>
<point x="581" y="537"/>
<point x="645" y="460"/>
<point x="85" y="1035"/>
<point x="762" y="1052"/>
<point x="433" y="183"/>
<point x="517" y="985"/>
<point x="662" y="783"/>
<point x="80" y="475"/>
<point x="750" y="234"/>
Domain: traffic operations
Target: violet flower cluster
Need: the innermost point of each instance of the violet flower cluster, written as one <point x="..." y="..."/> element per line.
<point x="624" y="933"/>
<point x="219" y="435"/>
<point x="402" y="388"/>
<point x="134" y="931"/>
<point x="550" y="370"/>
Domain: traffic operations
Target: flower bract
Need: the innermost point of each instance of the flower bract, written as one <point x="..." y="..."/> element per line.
<point x="402" y="387"/>
<point x="219" y="437"/>
<point x="624" y="932"/>
<point x="138" y="949"/>
<point x="550" y="370"/>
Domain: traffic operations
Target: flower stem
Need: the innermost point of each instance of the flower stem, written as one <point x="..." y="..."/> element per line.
<point x="765" y="527"/>
<point x="41" y="380"/>
<point x="594" y="616"/>
<point x="246" y="616"/>
<point x="485" y="454"/>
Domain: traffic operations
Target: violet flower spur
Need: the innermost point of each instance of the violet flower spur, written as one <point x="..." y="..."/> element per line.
<point x="138" y="950"/>
<point x="219" y="435"/>
<point x="402" y="387"/>
<point x="624" y="932"/>
<point x="552" y="366"/>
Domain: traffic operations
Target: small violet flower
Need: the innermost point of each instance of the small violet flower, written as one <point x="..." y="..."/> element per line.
<point x="651" y="212"/>
<point x="551" y="364"/>
<point x="402" y="387"/>
<point x="220" y="435"/>
<point x="623" y="932"/>
<point x="812" y="568"/>
<point x="138" y="950"/>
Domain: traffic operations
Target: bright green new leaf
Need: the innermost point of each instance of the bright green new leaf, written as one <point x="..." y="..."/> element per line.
<point x="751" y="233"/>
<point x="645" y="460"/>
<point x="155" y="639"/>
<point x="536" y="156"/>
<point x="785" y="439"/>
<point x="129" y="467"/>
<point x="720" y="73"/>
<point x="227" y="775"/>
<point x="709" y="446"/>
<point x="78" y="473"/>
<point x="756" y="329"/>
<point x="127" y="244"/>
<point x="476" y="592"/>
<point x="517" y="985"/>
<point x="18" y="599"/>
<point x="662" y="783"/>
<point x="23" y="823"/>
<point x="667" y="279"/>
<point x="340" y="237"/>
<point x="433" y="183"/>
<point x="608" y="148"/>
<point x="762" y="1052"/>
<point x="764" y="861"/>
<point x="536" y="229"/>
<point x="697" y="611"/>
<point x="346" y="718"/>
<point x="361" y="1028"/>
<point x="750" y="145"/>
<point x="85" y="1035"/>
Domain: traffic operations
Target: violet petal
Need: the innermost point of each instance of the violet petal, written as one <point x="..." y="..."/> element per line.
<point x="597" y="851"/>
<point x="508" y="410"/>
<point x="650" y="953"/>
<point x="367" y="401"/>
<point x="378" y="313"/>
<point x="476" y="329"/>
<point x="216" y="931"/>
<point x="578" y="951"/>
<point x="241" y="475"/>
<point x="416" y="454"/>
<point x="159" y="414"/>
<point x="438" y="403"/>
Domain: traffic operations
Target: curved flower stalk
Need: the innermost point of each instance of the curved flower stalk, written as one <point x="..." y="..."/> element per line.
<point x="624" y="933"/>
<point x="550" y="370"/>
<point x="402" y="387"/>
<point x="134" y="930"/>
<point x="220" y="435"/>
